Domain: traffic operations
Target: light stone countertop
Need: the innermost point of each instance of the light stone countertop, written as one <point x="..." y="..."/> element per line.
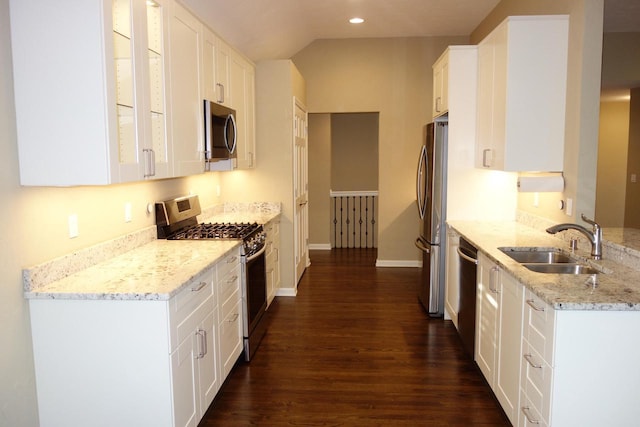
<point x="138" y="266"/>
<point x="155" y="271"/>
<point x="617" y="289"/>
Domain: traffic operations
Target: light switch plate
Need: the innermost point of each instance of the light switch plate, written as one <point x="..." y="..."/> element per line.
<point x="127" y="212"/>
<point x="73" y="226"/>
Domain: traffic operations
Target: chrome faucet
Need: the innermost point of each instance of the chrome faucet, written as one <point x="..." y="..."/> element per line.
<point x="595" y="236"/>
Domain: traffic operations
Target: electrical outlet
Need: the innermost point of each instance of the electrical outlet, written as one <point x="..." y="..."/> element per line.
<point x="536" y="200"/>
<point x="127" y="212"/>
<point x="569" y="207"/>
<point x="73" y="226"/>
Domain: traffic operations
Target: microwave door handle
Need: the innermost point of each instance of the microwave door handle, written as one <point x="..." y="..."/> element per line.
<point x="230" y="120"/>
<point x="207" y="130"/>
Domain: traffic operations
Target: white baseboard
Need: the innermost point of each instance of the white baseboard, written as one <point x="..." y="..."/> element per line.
<point x="286" y="292"/>
<point x="397" y="263"/>
<point x="320" y="246"/>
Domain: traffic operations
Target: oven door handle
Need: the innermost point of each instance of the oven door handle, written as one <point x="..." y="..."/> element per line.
<point x="257" y="254"/>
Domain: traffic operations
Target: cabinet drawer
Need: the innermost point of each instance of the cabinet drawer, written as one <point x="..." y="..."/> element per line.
<point x="188" y="300"/>
<point x="227" y="263"/>
<point x="230" y="336"/>
<point x="529" y="415"/>
<point x="539" y="326"/>
<point x="229" y="284"/>
<point x="190" y="324"/>
<point x="536" y="379"/>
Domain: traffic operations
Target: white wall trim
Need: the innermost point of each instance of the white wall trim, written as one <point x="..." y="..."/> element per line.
<point x="320" y="246"/>
<point x="397" y="263"/>
<point x="286" y="292"/>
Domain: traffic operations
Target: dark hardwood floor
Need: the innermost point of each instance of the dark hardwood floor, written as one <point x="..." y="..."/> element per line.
<point x="355" y="348"/>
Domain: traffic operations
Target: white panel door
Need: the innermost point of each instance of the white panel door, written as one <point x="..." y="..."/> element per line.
<point x="300" y="189"/>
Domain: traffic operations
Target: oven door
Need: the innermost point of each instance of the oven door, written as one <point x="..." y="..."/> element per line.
<point x="254" y="291"/>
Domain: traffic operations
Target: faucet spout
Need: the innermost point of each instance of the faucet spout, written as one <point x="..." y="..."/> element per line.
<point x="594" y="236"/>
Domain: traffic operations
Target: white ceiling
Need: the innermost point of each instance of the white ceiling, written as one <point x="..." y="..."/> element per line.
<point x="277" y="29"/>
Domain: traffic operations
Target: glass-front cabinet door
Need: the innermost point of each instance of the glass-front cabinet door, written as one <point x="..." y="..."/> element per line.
<point x="139" y="28"/>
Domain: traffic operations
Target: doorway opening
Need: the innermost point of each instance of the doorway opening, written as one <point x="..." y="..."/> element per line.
<point x="343" y="180"/>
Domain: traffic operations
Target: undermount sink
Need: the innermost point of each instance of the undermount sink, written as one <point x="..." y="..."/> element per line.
<point x="548" y="260"/>
<point x="562" y="268"/>
<point x="536" y="255"/>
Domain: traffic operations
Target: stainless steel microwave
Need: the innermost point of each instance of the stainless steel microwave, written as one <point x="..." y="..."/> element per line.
<point x="220" y="132"/>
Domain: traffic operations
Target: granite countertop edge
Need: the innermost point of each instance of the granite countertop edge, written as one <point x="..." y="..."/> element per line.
<point x="617" y="289"/>
<point x="142" y="267"/>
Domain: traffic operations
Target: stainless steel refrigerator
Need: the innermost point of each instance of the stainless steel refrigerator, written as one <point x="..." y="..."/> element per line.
<point x="432" y="201"/>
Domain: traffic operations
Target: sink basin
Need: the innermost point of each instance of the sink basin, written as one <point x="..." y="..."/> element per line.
<point x="537" y="255"/>
<point x="562" y="268"/>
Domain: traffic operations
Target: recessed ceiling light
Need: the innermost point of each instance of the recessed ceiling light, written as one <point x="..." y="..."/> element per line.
<point x="356" y="20"/>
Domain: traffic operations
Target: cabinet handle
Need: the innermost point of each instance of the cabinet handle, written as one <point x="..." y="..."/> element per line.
<point x="235" y="317"/>
<point x="220" y="92"/>
<point x="233" y="279"/>
<point x="438" y="100"/>
<point x="232" y="259"/>
<point x="202" y="339"/>
<point x="533" y="305"/>
<point x="199" y="287"/>
<point x="277" y="251"/>
<point x="530" y="419"/>
<point x="494" y="271"/>
<point x="149" y="157"/>
<point x="529" y="359"/>
<point x="250" y="159"/>
<point x="487" y="159"/>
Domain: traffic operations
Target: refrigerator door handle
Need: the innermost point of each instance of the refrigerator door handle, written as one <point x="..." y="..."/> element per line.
<point x="420" y="245"/>
<point x="420" y="182"/>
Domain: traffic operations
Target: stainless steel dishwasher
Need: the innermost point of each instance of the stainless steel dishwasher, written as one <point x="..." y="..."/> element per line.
<point x="467" y="309"/>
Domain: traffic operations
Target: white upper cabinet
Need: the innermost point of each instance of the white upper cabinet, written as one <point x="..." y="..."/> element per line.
<point x="522" y="85"/>
<point x="90" y="91"/>
<point x="186" y="36"/>
<point x="111" y="91"/>
<point x="441" y="85"/>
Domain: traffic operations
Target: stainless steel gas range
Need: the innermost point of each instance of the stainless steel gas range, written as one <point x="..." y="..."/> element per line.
<point x="176" y="220"/>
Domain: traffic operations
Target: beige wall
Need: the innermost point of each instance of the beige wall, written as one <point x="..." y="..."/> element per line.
<point x="277" y="82"/>
<point x="583" y="93"/>
<point x="319" y="179"/>
<point x="612" y="163"/>
<point x="621" y="60"/>
<point x="392" y="77"/>
<point x="354" y="152"/>
<point x="632" y="199"/>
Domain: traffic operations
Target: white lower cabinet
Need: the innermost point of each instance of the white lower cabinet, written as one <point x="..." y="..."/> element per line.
<point x="272" y="259"/>
<point x="452" y="277"/>
<point x="551" y="367"/>
<point x="230" y="314"/>
<point x="498" y="333"/>
<point x="137" y="362"/>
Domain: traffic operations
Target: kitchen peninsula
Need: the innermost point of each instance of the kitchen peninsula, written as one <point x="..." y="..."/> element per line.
<point x="554" y="347"/>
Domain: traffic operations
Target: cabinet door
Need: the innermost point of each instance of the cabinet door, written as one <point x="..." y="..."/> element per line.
<point x="207" y="361"/>
<point x="452" y="278"/>
<point x="484" y="150"/>
<point x="441" y="85"/>
<point x="487" y="316"/>
<point x="223" y="60"/>
<point x="507" y="380"/>
<point x="187" y="126"/>
<point x="242" y="77"/>
<point x="184" y="384"/>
